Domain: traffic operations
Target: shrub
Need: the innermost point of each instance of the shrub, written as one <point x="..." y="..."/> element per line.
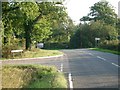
<point x="6" y="49"/>
<point x="112" y="44"/>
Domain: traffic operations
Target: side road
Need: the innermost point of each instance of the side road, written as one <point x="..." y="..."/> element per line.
<point x="34" y="58"/>
<point x="49" y="60"/>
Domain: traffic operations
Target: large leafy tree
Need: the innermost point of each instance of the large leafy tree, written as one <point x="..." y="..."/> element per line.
<point x="18" y="18"/>
<point x="101" y="10"/>
<point x="30" y="20"/>
<point x="41" y="30"/>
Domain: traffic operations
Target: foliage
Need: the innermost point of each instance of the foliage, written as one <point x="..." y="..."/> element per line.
<point x="57" y="45"/>
<point x="106" y="50"/>
<point x="102" y="23"/>
<point x="32" y="76"/>
<point x="34" y="53"/>
<point x="111" y="45"/>
<point x="103" y="11"/>
<point x="41" y="30"/>
<point x="86" y="33"/>
<point x="34" y="21"/>
<point x="6" y="49"/>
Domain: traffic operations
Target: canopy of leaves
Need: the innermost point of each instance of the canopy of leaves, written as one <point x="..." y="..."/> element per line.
<point x="41" y="30"/>
<point x="86" y="34"/>
<point x="34" y="21"/>
<point x="101" y="10"/>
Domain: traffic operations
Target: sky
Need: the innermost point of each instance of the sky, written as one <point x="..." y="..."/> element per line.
<point x="78" y="8"/>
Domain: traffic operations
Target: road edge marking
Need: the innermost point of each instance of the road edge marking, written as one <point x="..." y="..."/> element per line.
<point x="61" y="67"/>
<point x="70" y="81"/>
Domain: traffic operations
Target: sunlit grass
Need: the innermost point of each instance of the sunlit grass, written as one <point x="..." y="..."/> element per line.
<point x="41" y="53"/>
<point x="32" y="76"/>
<point x="34" y="53"/>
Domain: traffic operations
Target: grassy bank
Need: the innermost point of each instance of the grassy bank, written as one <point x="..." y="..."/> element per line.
<point x="106" y="50"/>
<point x="40" y="53"/>
<point x="32" y="76"/>
<point x="35" y="53"/>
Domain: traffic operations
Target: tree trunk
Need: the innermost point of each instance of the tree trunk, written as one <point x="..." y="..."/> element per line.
<point x="28" y="30"/>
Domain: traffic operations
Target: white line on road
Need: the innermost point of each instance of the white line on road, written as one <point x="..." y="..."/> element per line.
<point x="70" y="81"/>
<point x="91" y="54"/>
<point x="115" y="64"/>
<point x="61" y="67"/>
<point x="108" y="61"/>
<point x="101" y="58"/>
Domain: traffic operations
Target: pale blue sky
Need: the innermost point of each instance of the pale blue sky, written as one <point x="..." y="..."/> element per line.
<point x="78" y="8"/>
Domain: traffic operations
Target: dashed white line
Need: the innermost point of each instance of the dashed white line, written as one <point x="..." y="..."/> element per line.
<point x="108" y="61"/>
<point x="61" y="67"/>
<point x="115" y="65"/>
<point x="70" y="81"/>
<point x="91" y="54"/>
<point x="101" y="58"/>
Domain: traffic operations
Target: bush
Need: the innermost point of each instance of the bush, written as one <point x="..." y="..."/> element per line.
<point x="111" y="45"/>
<point x="56" y="45"/>
<point x="6" y="49"/>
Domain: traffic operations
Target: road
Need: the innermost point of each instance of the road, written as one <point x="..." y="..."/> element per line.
<point x="83" y="68"/>
<point x="92" y="69"/>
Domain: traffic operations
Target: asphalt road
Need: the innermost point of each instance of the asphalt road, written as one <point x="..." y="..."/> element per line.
<point x="92" y="69"/>
<point x="83" y="68"/>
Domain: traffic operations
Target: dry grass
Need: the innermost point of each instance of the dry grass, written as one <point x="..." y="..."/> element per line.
<point x="32" y="76"/>
<point x="36" y="53"/>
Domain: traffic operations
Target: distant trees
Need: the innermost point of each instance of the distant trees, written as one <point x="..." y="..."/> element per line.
<point x="101" y="23"/>
<point x="103" y="11"/>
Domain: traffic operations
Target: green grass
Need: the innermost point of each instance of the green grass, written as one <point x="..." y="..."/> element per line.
<point x="106" y="50"/>
<point x="36" y="53"/>
<point x="40" y="53"/>
<point x="32" y="76"/>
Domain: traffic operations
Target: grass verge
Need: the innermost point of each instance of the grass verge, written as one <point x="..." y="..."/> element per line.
<point x="106" y="50"/>
<point x="32" y="76"/>
<point x="34" y="53"/>
<point x="40" y="53"/>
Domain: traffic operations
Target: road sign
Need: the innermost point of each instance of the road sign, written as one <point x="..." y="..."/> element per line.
<point x="97" y="38"/>
<point x="40" y="45"/>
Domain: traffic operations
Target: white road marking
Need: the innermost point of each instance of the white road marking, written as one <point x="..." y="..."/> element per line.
<point x="108" y="61"/>
<point x="101" y="58"/>
<point x="91" y="54"/>
<point x="70" y="81"/>
<point x="115" y="65"/>
<point x="61" y="67"/>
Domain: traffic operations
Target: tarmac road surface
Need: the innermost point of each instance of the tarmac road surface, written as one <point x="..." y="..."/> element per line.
<point x="83" y="68"/>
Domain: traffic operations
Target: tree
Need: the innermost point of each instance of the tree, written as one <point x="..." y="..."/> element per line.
<point x="25" y="20"/>
<point x="86" y="34"/>
<point x="103" y="11"/>
<point x="41" y="30"/>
